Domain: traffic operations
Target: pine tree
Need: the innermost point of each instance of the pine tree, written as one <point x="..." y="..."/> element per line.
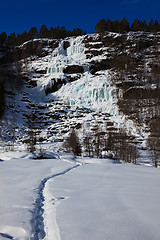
<point x="143" y="26"/>
<point x="136" y="25"/>
<point x="21" y="38"/>
<point x="108" y="25"/>
<point x="62" y="32"/>
<point x="56" y="32"/>
<point x="3" y="38"/>
<point x="150" y="26"/>
<point x="24" y="37"/>
<point x="115" y="26"/>
<point x="51" y="32"/>
<point x="156" y="27"/>
<point x="124" y="26"/>
<point x="43" y="32"/>
<point x="77" y="32"/>
<point x="101" y="26"/>
<point x="33" y="33"/>
<point x="11" y="40"/>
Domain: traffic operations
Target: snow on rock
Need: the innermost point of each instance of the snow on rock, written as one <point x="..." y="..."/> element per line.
<point x="77" y="89"/>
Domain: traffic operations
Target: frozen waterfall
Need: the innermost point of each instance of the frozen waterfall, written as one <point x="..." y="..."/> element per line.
<point x="94" y="97"/>
<point x="61" y="57"/>
<point x="75" y="47"/>
<point x="60" y="50"/>
<point x="56" y="65"/>
<point x="92" y="92"/>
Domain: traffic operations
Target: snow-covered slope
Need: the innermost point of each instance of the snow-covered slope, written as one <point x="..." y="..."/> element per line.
<point x="79" y="80"/>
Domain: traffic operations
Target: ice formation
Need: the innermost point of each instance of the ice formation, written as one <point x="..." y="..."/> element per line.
<point x="61" y="57"/>
<point x="89" y="91"/>
<point x="75" y="47"/>
<point x="56" y="65"/>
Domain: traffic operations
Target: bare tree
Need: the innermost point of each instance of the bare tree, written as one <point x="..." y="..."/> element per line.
<point x="32" y="133"/>
<point x="153" y="141"/>
<point x="72" y="143"/>
<point x="88" y="146"/>
<point x="154" y="147"/>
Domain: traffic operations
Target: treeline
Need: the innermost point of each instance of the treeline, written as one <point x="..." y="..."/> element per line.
<point x="101" y="144"/>
<point x="56" y="33"/>
<point x="124" y="26"/>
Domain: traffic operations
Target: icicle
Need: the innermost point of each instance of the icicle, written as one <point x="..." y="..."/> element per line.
<point x="75" y="47"/>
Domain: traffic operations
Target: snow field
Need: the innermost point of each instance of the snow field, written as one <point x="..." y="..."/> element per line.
<point x="84" y="199"/>
<point x="20" y="178"/>
<point x="104" y="200"/>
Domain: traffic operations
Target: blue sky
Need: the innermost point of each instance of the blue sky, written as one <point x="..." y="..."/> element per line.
<point x="20" y="15"/>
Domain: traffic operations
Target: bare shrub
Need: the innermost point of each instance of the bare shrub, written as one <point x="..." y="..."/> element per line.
<point x="153" y="141"/>
<point x="72" y="143"/>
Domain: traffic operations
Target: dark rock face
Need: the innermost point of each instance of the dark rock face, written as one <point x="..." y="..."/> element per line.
<point x="31" y="48"/>
<point x="73" y="69"/>
<point x="3" y="51"/>
<point x="98" y="66"/>
<point x="56" y="84"/>
<point x="94" y="52"/>
<point x="128" y="84"/>
<point x="75" y="78"/>
<point x="66" y="44"/>
<point x="40" y="71"/>
<point x="142" y="93"/>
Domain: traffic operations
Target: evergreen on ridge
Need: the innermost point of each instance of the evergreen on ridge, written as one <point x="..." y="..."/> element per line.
<point x="58" y="32"/>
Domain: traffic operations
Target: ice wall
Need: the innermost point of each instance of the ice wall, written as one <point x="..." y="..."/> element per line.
<point x="60" y="50"/>
<point x="57" y="65"/>
<point x="61" y="57"/>
<point x="91" y="92"/>
<point x="75" y="47"/>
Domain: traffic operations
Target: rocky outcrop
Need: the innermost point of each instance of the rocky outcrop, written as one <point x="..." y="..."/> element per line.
<point x="73" y="69"/>
<point x="100" y="65"/>
<point x="36" y="47"/>
<point x="56" y="84"/>
<point x="66" y="44"/>
<point x="74" y="77"/>
<point x="94" y="52"/>
<point x="142" y="93"/>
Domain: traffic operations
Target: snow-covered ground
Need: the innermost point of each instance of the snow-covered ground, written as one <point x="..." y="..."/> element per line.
<point x="64" y="198"/>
